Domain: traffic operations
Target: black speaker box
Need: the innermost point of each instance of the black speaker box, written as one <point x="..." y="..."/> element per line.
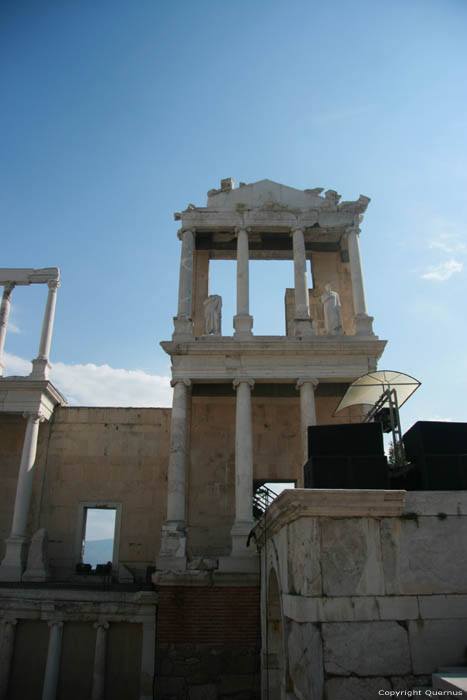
<point x="345" y="439"/>
<point x="435" y="438"/>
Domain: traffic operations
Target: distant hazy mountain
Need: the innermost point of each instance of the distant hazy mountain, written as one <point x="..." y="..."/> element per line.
<point x="98" y="552"/>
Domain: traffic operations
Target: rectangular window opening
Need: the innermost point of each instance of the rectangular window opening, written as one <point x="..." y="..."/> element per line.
<point x="98" y="542"/>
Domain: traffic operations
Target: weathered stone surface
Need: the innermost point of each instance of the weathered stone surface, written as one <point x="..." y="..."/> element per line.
<point x="397" y="607"/>
<point x="365" y="648"/>
<point x="203" y="692"/>
<point x="435" y="643"/>
<point x="351" y="561"/>
<point x="443" y="606"/>
<point x="435" y="502"/>
<point x="305" y="655"/>
<point x="355" y="688"/>
<point x="427" y="563"/>
<point x="303" y="557"/>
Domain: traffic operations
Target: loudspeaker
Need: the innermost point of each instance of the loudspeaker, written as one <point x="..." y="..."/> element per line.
<point x="345" y="439"/>
<point x="435" y="438"/>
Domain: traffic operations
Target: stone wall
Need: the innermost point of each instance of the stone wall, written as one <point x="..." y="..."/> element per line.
<point x="370" y="599"/>
<point x="99" y="455"/>
<point x="208" y="643"/>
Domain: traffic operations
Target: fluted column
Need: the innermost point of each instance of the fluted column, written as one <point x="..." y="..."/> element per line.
<point x="363" y="322"/>
<point x="183" y="321"/>
<point x="4" y="314"/>
<point x="173" y="543"/>
<point x="14" y="561"/>
<point x="243" y="467"/>
<point x="52" y="668"/>
<point x="303" y="323"/>
<point x="243" y="322"/>
<point x="98" y="674"/>
<point x="307" y="388"/>
<point x="6" y="655"/>
<point x="41" y="365"/>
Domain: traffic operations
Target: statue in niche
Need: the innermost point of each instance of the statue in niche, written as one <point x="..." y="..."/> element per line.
<point x="213" y="314"/>
<point x="332" y="311"/>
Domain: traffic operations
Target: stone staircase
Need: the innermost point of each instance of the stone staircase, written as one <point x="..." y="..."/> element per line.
<point x="448" y="678"/>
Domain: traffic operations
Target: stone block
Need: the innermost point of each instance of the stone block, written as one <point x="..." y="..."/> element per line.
<point x="435" y="643"/>
<point x="443" y="606"/>
<point x="351" y="561"/>
<point x="230" y="685"/>
<point x="208" y="691"/>
<point x="427" y="563"/>
<point x="365" y="648"/>
<point x="398" y="607"/>
<point x="303" y="557"/>
<point x="301" y="609"/>
<point x="365" y="608"/>
<point x="435" y="502"/>
<point x="355" y="688"/>
<point x="305" y="655"/>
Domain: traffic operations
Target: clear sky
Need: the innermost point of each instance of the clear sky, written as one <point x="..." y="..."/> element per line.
<point x="117" y="114"/>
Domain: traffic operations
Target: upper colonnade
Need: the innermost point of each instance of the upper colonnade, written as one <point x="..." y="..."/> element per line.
<point x="269" y="221"/>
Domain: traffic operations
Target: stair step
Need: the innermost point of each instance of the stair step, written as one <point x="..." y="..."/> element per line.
<point x="457" y="670"/>
<point x="450" y="681"/>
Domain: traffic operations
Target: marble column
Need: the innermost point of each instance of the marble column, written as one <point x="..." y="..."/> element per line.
<point x="303" y="322"/>
<point x="14" y="562"/>
<point x="183" y="321"/>
<point x="173" y="542"/>
<point x="52" y="668"/>
<point x="243" y="322"/>
<point x="363" y="322"/>
<point x="41" y="365"/>
<point x="148" y="652"/>
<point x="243" y="468"/>
<point x="6" y="655"/>
<point x="98" y="674"/>
<point x="307" y="388"/>
<point x="4" y="314"/>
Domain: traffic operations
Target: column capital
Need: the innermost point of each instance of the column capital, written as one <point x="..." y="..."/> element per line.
<point x="182" y="232"/>
<point x="53" y="284"/>
<point x="239" y="229"/>
<point x="34" y="416"/>
<point x="186" y="382"/>
<point x="243" y="380"/>
<point x="297" y="229"/>
<point x="101" y="623"/>
<point x="307" y="380"/>
<point x="8" y="288"/>
<point x="354" y="228"/>
<point x="53" y="623"/>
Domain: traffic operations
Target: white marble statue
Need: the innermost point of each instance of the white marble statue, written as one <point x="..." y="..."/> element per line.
<point x="213" y="314"/>
<point x="332" y="311"/>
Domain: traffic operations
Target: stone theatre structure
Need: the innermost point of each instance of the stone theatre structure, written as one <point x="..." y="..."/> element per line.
<point x="202" y="601"/>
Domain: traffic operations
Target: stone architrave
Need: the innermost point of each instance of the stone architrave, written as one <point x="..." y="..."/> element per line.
<point x="332" y="311"/>
<point x="213" y="314"/>
<point x="38" y="558"/>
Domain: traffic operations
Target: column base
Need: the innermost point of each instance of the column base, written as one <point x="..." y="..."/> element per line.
<point x="363" y="324"/>
<point x="303" y="328"/>
<point x="183" y="328"/>
<point x="14" y="561"/>
<point x="243" y="325"/>
<point x="40" y="368"/>
<point x="172" y="553"/>
<point x="239" y="533"/>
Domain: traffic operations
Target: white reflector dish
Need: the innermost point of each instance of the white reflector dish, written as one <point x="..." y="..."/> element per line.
<point x="368" y="388"/>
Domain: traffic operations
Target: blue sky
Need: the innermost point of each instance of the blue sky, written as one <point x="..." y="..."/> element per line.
<point x="117" y="114"/>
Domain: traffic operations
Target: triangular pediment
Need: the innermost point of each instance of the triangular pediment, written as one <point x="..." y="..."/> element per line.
<point x="265" y="193"/>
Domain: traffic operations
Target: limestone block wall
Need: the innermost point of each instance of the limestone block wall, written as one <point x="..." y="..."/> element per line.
<point x="211" y="477"/>
<point x="99" y="455"/>
<point x="369" y="601"/>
